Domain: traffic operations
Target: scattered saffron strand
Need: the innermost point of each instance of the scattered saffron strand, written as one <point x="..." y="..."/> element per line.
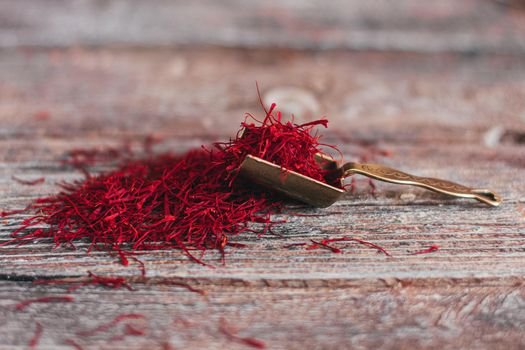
<point x="141" y="266"/>
<point x="430" y="249"/>
<point x="167" y="346"/>
<point x="360" y="241"/>
<point x="188" y="287"/>
<point x="183" y="321"/>
<point x="49" y="299"/>
<point x="92" y="279"/>
<point x="6" y="213"/>
<point x="373" y="187"/>
<point x="106" y="326"/>
<point x="325" y="244"/>
<point x="130" y="330"/>
<point x="29" y="182"/>
<point x="53" y="281"/>
<point x="111" y="282"/>
<point x="123" y="259"/>
<point x="254" y="343"/>
<point x="73" y="343"/>
<point x="36" y="337"/>
<point x="15" y="211"/>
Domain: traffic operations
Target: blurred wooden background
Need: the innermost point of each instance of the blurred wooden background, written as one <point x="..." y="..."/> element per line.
<point x="466" y="26"/>
<point x="440" y="85"/>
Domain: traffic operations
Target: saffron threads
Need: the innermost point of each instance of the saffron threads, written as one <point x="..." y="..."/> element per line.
<point x="325" y="243"/>
<point x="123" y="258"/>
<point x="73" y="343"/>
<point x="141" y="266"/>
<point x="130" y="330"/>
<point x="6" y="213"/>
<point x="167" y="346"/>
<point x="252" y="342"/>
<point x="36" y="336"/>
<point x="29" y="182"/>
<point x="110" y="282"/>
<point x="430" y="249"/>
<point x="92" y="279"/>
<point x="106" y="326"/>
<point x="192" y="202"/>
<point x="360" y="241"/>
<point x="188" y="287"/>
<point x="49" y="299"/>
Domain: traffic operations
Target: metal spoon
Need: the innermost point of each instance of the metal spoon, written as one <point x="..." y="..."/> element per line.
<point x="320" y="194"/>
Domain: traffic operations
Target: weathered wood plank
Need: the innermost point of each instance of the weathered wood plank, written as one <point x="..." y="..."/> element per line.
<point x="450" y="116"/>
<point x="462" y="26"/>
<point x="445" y="316"/>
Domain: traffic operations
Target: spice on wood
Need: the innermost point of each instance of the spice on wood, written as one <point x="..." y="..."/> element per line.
<point x="107" y="326"/>
<point x="252" y="342"/>
<point x="430" y="249"/>
<point x="192" y="202"/>
<point x="48" y="299"/>
<point x="36" y="336"/>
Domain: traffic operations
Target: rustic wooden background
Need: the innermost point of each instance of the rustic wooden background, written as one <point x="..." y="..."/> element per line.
<point x="440" y="85"/>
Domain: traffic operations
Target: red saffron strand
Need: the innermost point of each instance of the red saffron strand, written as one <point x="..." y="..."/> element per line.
<point x="123" y="259"/>
<point x="6" y="213"/>
<point x="106" y="326"/>
<point x="360" y="241"/>
<point x="15" y="211"/>
<point x="325" y="244"/>
<point x="92" y="279"/>
<point x="188" y="287"/>
<point x="37" y="335"/>
<point x="49" y="299"/>
<point x="52" y="281"/>
<point x="167" y="346"/>
<point x="73" y="343"/>
<point x="430" y="249"/>
<point x="253" y="342"/>
<point x="130" y="330"/>
<point x="111" y="282"/>
<point x="29" y="182"/>
<point x="141" y="266"/>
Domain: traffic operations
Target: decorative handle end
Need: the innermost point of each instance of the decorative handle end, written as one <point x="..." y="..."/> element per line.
<point x="487" y="196"/>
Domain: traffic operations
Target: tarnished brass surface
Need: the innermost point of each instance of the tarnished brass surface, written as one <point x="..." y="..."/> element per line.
<point x="319" y="194"/>
<point x="291" y="183"/>
<point x="383" y="173"/>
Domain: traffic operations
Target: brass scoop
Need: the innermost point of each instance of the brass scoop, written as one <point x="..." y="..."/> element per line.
<point x="319" y="194"/>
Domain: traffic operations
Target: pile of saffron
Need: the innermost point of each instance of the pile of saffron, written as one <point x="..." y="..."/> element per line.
<point x="193" y="202"/>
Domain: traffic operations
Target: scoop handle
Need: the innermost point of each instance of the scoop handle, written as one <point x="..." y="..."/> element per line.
<point x="383" y="173"/>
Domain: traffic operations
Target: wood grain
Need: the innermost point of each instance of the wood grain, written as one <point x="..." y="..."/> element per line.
<point x="448" y="316"/>
<point x="467" y="26"/>
<point x="451" y="116"/>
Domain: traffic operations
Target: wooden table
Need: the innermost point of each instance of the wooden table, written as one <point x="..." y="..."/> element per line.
<point x="451" y="115"/>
